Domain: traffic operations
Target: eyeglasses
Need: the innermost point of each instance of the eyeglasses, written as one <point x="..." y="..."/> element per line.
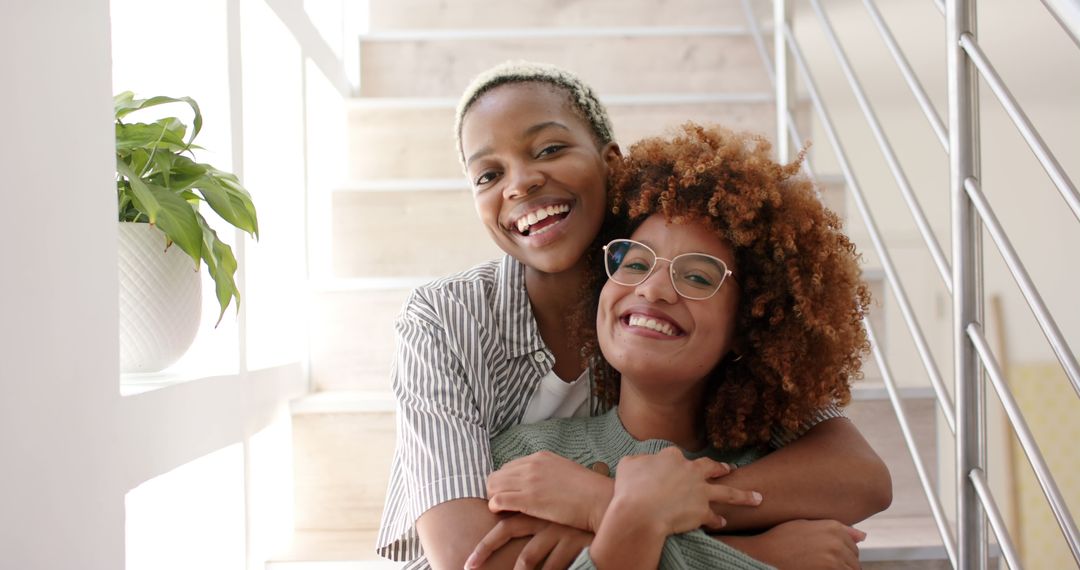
<point x="695" y="276"/>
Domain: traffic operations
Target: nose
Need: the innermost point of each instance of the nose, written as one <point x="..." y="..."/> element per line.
<point x="523" y="180"/>
<point x="658" y="286"/>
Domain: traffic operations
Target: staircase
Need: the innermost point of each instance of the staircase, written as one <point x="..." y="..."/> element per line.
<point x="655" y="64"/>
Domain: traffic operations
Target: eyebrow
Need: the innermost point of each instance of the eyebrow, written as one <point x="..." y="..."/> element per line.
<point x="525" y="134"/>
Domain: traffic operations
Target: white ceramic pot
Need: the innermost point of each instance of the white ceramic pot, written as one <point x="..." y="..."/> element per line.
<point x="160" y="300"/>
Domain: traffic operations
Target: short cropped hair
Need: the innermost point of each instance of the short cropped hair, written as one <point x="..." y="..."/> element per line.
<point x="580" y="96"/>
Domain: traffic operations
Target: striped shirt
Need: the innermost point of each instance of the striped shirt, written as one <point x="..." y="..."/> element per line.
<point x="469" y="358"/>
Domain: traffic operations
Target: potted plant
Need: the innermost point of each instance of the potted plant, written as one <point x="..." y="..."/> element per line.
<point x="164" y="238"/>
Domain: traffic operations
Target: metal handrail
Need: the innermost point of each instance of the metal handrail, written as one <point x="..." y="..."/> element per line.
<point x="1027" y="287"/>
<point x="1027" y="441"/>
<point x="908" y="313"/>
<point x="932" y="498"/>
<point x="968" y="549"/>
<point x="1046" y="158"/>
<point x="927" y="233"/>
<point x="993" y="514"/>
<point x="909" y="75"/>
<point x="1062" y="20"/>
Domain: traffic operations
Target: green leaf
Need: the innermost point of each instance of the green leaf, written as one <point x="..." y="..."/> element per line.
<point x="144" y="136"/>
<point x="229" y="202"/>
<point x="221" y="264"/>
<point x="178" y="221"/>
<point x="141" y="196"/>
<point x="125" y="104"/>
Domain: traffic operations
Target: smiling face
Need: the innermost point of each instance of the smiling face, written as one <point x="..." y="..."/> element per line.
<point x="653" y="336"/>
<point x="538" y="178"/>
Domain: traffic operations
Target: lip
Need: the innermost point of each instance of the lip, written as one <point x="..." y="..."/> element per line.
<point x="522" y="210"/>
<point x="654" y="313"/>
<point x="553" y="233"/>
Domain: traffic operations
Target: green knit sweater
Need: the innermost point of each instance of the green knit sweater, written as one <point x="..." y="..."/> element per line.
<point x="603" y="438"/>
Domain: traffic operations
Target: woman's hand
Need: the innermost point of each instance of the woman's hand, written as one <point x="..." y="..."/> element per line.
<point x="550" y="487"/>
<point x="553" y="545"/>
<point x="803" y="545"/>
<point x="677" y="492"/>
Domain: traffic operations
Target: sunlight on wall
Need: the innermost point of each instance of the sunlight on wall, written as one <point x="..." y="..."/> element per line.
<point x="203" y="74"/>
<point x="1053" y="414"/>
<point x="190" y="517"/>
<point x="325" y="15"/>
<point x="270" y="490"/>
<point x="326" y="122"/>
<point x="274" y="165"/>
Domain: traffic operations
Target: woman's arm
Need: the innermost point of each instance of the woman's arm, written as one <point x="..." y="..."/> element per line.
<point x="442" y="457"/>
<point x="830" y="472"/>
<point x="803" y="545"/>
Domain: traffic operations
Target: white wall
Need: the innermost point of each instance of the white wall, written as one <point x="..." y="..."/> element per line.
<point x="73" y="450"/>
<point x="61" y="503"/>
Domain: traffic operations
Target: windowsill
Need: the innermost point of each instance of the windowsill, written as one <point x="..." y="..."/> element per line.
<point x="193" y="366"/>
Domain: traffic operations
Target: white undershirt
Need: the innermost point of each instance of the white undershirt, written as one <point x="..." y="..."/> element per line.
<point x="556" y="398"/>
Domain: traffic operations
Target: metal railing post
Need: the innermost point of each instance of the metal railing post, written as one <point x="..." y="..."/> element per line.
<point x="966" y="264"/>
<point x="785" y="80"/>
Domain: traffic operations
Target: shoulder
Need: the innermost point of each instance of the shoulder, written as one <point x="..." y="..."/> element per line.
<point x="564" y="436"/>
<point x="475" y="287"/>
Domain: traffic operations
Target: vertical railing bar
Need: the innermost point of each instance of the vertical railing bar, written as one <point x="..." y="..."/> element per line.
<point x="912" y="80"/>
<point x="1060" y="508"/>
<point x="997" y="522"/>
<point x="905" y="428"/>
<point x="763" y="52"/>
<point x="1031" y="135"/>
<point x="1061" y="20"/>
<point x="927" y="233"/>
<point x="785" y="91"/>
<point x="1027" y="287"/>
<point x="960" y="18"/>
<point x="875" y="237"/>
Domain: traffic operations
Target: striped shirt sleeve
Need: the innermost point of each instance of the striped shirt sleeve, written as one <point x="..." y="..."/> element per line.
<point x="442" y="450"/>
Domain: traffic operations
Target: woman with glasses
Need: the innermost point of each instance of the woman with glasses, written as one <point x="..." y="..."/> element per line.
<point x="732" y="311"/>
<point x="495" y="346"/>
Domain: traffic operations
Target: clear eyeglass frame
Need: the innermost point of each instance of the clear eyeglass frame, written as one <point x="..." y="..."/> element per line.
<point x="608" y="255"/>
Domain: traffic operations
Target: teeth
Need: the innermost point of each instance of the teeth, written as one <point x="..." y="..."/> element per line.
<point x="652" y="324"/>
<point x="531" y="218"/>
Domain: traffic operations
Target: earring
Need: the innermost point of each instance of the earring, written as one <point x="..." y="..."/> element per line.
<point x="737" y="358"/>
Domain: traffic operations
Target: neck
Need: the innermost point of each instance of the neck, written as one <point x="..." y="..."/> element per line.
<point x="553" y="294"/>
<point x="553" y="297"/>
<point x="662" y="414"/>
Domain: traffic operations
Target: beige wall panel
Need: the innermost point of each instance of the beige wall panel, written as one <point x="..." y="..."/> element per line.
<point x="395" y="142"/>
<point x="352" y="339"/>
<point x="470" y="14"/>
<point x="611" y="65"/>
<point x="342" y="469"/>
<point x="413" y="233"/>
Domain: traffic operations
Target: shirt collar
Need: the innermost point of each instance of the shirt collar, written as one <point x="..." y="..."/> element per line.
<point x="514" y="313"/>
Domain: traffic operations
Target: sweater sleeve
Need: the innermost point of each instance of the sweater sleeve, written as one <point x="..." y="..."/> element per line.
<point x="692" y="550"/>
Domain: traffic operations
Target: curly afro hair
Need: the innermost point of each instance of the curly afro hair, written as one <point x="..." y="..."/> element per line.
<point x="799" y="331"/>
